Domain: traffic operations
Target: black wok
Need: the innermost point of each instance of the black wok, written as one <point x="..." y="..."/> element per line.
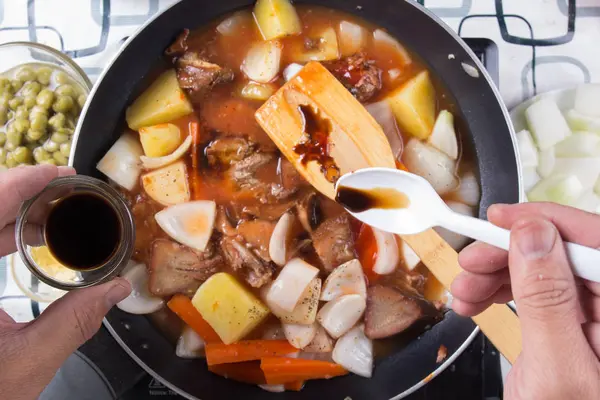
<point x="489" y="132"/>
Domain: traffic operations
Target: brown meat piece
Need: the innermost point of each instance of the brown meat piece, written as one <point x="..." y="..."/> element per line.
<point x="146" y="227"/>
<point x="244" y="261"/>
<point x="227" y="150"/>
<point x="290" y="177"/>
<point x="358" y="74"/>
<point x="333" y="242"/>
<point x="269" y="212"/>
<point x="257" y="233"/>
<point x="197" y="76"/>
<point x="175" y="268"/>
<point x="223" y="223"/>
<point x="389" y="312"/>
<point x="179" y="46"/>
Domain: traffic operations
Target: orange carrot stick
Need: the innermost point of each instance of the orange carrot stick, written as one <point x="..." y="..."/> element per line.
<point x="295" y="386"/>
<point x="246" y="350"/>
<point x="366" y="247"/>
<point x="282" y="370"/>
<point x="195" y="179"/>
<point x="400" y="165"/>
<point x="246" y="372"/>
<point x="183" y="307"/>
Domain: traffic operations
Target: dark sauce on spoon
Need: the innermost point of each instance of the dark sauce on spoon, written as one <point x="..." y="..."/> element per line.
<point x="82" y="231"/>
<point x="315" y="147"/>
<point x="358" y="200"/>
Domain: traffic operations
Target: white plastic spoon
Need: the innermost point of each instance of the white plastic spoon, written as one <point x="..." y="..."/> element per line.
<point x="425" y="209"/>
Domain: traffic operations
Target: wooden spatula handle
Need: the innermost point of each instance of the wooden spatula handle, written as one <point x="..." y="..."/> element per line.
<point x="499" y="323"/>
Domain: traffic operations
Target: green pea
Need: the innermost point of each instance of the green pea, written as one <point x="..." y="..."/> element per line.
<point x="65" y="149"/>
<point x="59" y="137"/>
<point x="22" y="155"/>
<point x="65" y="90"/>
<point x="16" y="85"/>
<point x="45" y="98"/>
<point x="4" y="81"/>
<point x="14" y="138"/>
<point x="38" y="110"/>
<point x="30" y="101"/>
<point x="25" y="74"/>
<point x="81" y="100"/>
<point x="2" y="155"/>
<point x="63" y="104"/>
<point x="3" y="115"/>
<point x="2" y="139"/>
<point x="50" y="146"/>
<point x="4" y="99"/>
<point x="21" y="125"/>
<point x="38" y="122"/>
<point x="10" y="161"/>
<point x="15" y="102"/>
<point x="43" y="75"/>
<point x="39" y="154"/>
<point x="66" y="131"/>
<point x="50" y="161"/>
<point x="21" y="112"/>
<point x="61" y="78"/>
<point x="60" y="158"/>
<point x="31" y="88"/>
<point x="34" y="135"/>
<point x="57" y="121"/>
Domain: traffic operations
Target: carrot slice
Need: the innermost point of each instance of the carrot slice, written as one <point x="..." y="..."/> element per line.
<point x="246" y="372"/>
<point x="246" y="350"/>
<point x="194" y="128"/>
<point x="183" y="307"/>
<point x="282" y="370"/>
<point x="295" y="386"/>
<point x="366" y="247"/>
<point x="400" y="165"/>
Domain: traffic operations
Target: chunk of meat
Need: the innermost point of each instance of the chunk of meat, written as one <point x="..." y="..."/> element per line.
<point x="257" y="233"/>
<point x="223" y="223"/>
<point x="179" y="46"/>
<point x="146" y="227"/>
<point x="175" y="268"/>
<point x="270" y="212"/>
<point x="333" y="242"/>
<point x="290" y="177"/>
<point x="197" y="76"/>
<point x="309" y="212"/>
<point x="389" y="312"/>
<point x="241" y="259"/>
<point x="358" y="74"/>
<point x="224" y="151"/>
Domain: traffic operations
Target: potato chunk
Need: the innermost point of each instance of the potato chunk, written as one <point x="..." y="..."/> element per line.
<point x="160" y="140"/>
<point x="168" y="185"/>
<point x="276" y="18"/>
<point x="413" y="105"/>
<point x="228" y="307"/>
<point x="162" y="102"/>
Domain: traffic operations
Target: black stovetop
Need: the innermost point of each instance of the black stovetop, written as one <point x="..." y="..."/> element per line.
<point x="474" y="375"/>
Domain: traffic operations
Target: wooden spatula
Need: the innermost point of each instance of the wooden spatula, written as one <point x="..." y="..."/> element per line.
<point x="357" y="141"/>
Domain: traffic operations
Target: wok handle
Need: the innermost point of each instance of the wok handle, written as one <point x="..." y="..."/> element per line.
<point x="499" y="323"/>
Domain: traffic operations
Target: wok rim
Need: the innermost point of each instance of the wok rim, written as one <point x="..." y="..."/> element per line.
<point x="481" y="69"/>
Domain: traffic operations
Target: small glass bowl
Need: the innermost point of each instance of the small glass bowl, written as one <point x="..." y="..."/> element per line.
<point x="13" y="54"/>
<point x="37" y="210"/>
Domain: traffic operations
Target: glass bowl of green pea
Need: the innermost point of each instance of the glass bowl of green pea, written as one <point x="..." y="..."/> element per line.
<point x="42" y="92"/>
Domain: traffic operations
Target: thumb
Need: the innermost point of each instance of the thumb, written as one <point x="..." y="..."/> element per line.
<point x="73" y="319"/>
<point x="544" y="290"/>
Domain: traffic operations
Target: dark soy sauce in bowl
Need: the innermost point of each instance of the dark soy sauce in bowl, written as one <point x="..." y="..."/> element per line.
<point x="82" y="231"/>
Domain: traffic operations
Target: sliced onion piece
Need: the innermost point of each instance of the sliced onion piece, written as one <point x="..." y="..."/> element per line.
<point x="158" y="162"/>
<point x="190" y="344"/>
<point x="530" y="178"/>
<point x="443" y="135"/>
<point x="469" y="192"/>
<point x="262" y="61"/>
<point x="291" y="71"/>
<point x="382" y="112"/>
<point x="527" y="150"/>
<point x="347" y="278"/>
<point x="122" y="161"/>
<point x="546" y="123"/>
<point x="305" y="312"/>
<point x="579" y="144"/>
<point x="388" y="255"/>
<point x="294" y="278"/>
<point x="560" y="188"/>
<point x="430" y="163"/>
<point x="587" y="170"/>
<point x="300" y="336"/>
<point x="546" y="161"/>
<point x="280" y="239"/>
<point x="354" y="351"/>
<point x="589" y="202"/>
<point x="352" y="38"/>
<point x="411" y="259"/>
<point x="581" y="122"/>
<point x="140" y="301"/>
<point x="340" y="315"/>
<point x="189" y="223"/>
<point x="587" y="98"/>
<point x="456" y="241"/>
<point x="273" y="388"/>
<point x="321" y="343"/>
<point x="382" y="37"/>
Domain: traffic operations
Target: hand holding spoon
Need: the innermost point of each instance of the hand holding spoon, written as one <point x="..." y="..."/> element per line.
<point x="403" y="203"/>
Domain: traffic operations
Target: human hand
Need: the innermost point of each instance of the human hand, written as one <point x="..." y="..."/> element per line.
<point x="31" y="353"/>
<point x="559" y="314"/>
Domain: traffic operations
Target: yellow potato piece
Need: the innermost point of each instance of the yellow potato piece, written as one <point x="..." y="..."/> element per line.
<point x="413" y="105"/>
<point x="276" y="18"/>
<point x="160" y="140"/>
<point x="162" y="102"/>
<point x="168" y="185"/>
<point x="228" y="307"/>
<point x="327" y="49"/>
